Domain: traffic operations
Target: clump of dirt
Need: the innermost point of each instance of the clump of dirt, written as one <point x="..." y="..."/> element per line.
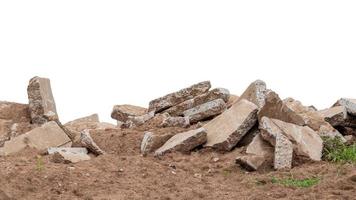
<point x="123" y="173"/>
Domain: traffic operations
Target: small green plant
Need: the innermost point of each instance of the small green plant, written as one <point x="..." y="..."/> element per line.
<point x="336" y="151"/>
<point x="292" y="182"/>
<point x="39" y="163"/>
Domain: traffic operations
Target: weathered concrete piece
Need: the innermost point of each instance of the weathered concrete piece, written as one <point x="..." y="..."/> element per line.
<point x="151" y="142"/>
<point x="255" y="93"/>
<point x="175" y="122"/>
<point x="183" y="142"/>
<point x="75" y="150"/>
<point x="87" y="141"/>
<point x="251" y="162"/>
<point x="176" y="98"/>
<point x="134" y="121"/>
<point x="259" y="147"/>
<point x="41" y="102"/>
<point x="91" y="118"/>
<point x="41" y="138"/>
<point x="15" y="112"/>
<point x="306" y="142"/>
<point x="232" y="99"/>
<point x="123" y="112"/>
<point x="217" y="93"/>
<point x="227" y="129"/>
<point x="350" y="105"/>
<point x="69" y="155"/>
<point x="335" y="115"/>
<point x="269" y="130"/>
<point x="283" y="153"/>
<point x="206" y="110"/>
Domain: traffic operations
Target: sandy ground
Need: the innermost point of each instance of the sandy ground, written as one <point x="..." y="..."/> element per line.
<point x="124" y="174"/>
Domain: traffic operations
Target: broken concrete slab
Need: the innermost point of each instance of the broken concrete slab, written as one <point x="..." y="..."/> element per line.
<point x="227" y="129"/>
<point x="74" y="150"/>
<point x="175" y="122"/>
<point x="41" y="102"/>
<point x="151" y="142"/>
<point x="283" y="153"/>
<point x="350" y="105"/>
<point x="335" y="115"/>
<point x="134" y="121"/>
<point x="255" y="93"/>
<point x="217" y="93"/>
<point x="251" y="162"/>
<point x="232" y="99"/>
<point x="123" y="112"/>
<point x="306" y="142"/>
<point x="183" y="142"/>
<point x="178" y="97"/>
<point x="41" y="138"/>
<point x="69" y="155"/>
<point x="16" y="112"/>
<point x="206" y="110"/>
<point x="259" y="147"/>
<point x="90" y="118"/>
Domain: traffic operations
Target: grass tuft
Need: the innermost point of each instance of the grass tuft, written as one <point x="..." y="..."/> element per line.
<point x="336" y="151"/>
<point x="301" y="183"/>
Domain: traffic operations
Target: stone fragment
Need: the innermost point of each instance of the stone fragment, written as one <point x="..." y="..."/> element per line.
<point x="249" y="136"/>
<point x="217" y="93"/>
<point x="152" y="142"/>
<point x="87" y="141"/>
<point x="206" y="110"/>
<point x="251" y="162"/>
<point x="91" y="118"/>
<point x="123" y="112"/>
<point x="15" y="112"/>
<point x="134" y="121"/>
<point x="259" y="147"/>
<point x="41" y="138"/>
<point x="232" y="99"/>
<point x="283" y="153"/>
<point x="350" y="105"/>
<point x="69" y="157"/>
<point x="74" y="150"/>
<point x="227" y="129"/>
<point x="178" y="97"/>
<point x="337" y="116"/>
<point x="41" y="102"/>
<point x="255" y="93"/>
<point x="183" y="142"/>
<point x="175" y="122"/>
<point x="306" y="142"/>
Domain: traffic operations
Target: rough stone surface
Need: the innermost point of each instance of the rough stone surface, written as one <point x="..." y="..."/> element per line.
<point x="151" y="142"/>
<point x="206" y="110"/>
<point x="183" y="142"/>
<point x="337" y="116"/>
<point x="91" y="118"/>
<point x="217" y="93"/>
<point x="134" y="121"/>
<point x="283" y="153"/>
<point x="251" y="162"/>
<point x="178" y="97"/>
<point x="269" y="130"/>
<point x="350" y="105"/>
<point x="87" y="141"/>
<point x="249" y="136"/>
<point x="227" y="129"/>
<point x="123" y="112"/>
<point x="232" y="99"/>
<point x="75" y="150"/>
<point x="69" y="157"/>
<point x="41" y="102"/>
<point x="15" y="112"/>
<point x="175" y="122"/>
<point x="306" y="142"/>
<point x="255" y="93"/>
<point x="259" y="147"/>
<point x="41" y="138"/>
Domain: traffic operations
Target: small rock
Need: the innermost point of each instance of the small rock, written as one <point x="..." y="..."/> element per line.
<point x="206" y="110"/>
<point x="123" y="112"/>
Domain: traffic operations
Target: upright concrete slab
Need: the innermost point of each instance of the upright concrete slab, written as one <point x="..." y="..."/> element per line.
<point x="283" y="153"/>
<point x="41" y="102"/>
<point x="178" y="97"/>
<point x="151" y="141"/>
<point x="255" y="93"/>
<point x="183" y="142"/>
<point x="206" y="110"/>
<point x="217" y="93"/>
<point x="227" y="129"/>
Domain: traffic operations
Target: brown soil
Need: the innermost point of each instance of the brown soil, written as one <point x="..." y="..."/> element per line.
<point x="124" y="174"/>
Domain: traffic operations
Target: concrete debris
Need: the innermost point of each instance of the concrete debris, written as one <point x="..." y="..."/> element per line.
<point x="227" y="129"/>
<point x="255" y="93"/>
<point x="151" y="142"/>
<point x="91" y="118"/>
<point x="176" y="98"/>
<point x="350" y="105"/>
<point x="232" y="99"/>
<point x="183" y="142"/>
<point x="41" y="102"/>
<point x="283" y="153"/>
<point x="217" y="93"/>
<point x="175" y="122"/>
<point x="251" y="162"/>
<point x="69" y="155"/>
<point x="206" y="110"/>
<point x="123" y="112"/>
<point x="15" y="112"/>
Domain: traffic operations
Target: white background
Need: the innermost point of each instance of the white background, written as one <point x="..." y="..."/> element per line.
<point x="101" y="53"/>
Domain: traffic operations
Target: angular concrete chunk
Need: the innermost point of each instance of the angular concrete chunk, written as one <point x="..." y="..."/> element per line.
<point x="134" y="121"/>
<point x="217" y="93"/>
<point x="350" y="105"/>
<point x="205" y="110"/>
<point x="175" y="122"/>
<point x="306" y="142"/>
<point x="41" y="138"/>
<point x="251" y="162"/>
<point x="255" y="93"/>
<point x="227" y="129"/>
<point x="175" y="98"/>
<point x="232" y="99"/>
<point x="283" y="153"/>
<point x="41" y="101"/>
<point x="123" y="112"/>
<point x="335" y="115"/>
<point x="151" y="142"/>
<point x="183" y="142"/>
<point x="68" y="155"/>
<point x="259" y="147"/>
<point x="269" y="130"/>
